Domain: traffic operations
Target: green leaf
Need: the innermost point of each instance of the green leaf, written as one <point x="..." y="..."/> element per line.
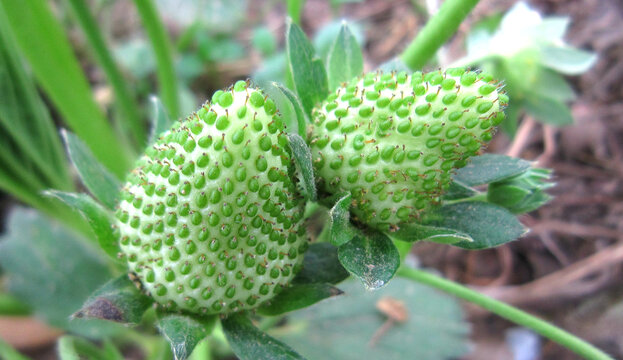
<point x="341" y="231"/>
<point x="417" y="232"/>
<point x="8" y="353"/>
<point x="552" y="85"/>
<point x="343" y="328"/>
<point x="457" y="190"/>
<point x="96" y="215"/>
<point x="67" y="349"/>
<point x="488" y="168"/>
<point x="298" y="296"/>
<point x="287" y="99"/>
<point x="124" y="99"/>
<point x="325" y="36"/>
<point x="321" y="265"/>
<point x="308" y="73"/>
<point x="118" y="300"/>
<point x="51" y="269"/>
<point x="548" y="110"/>
<point x="9" y="305"/>
<point x="567" y="60"/>
<point x="163" y="51"/>
<point x="102" y="184"/>
<point x="487" y="224"/>
<point x="345" y="60"/>
<point x="264" y="41"/>
<point x="303" y="160"/>
<point x="184" y="332"/>
<point x="38" y="32"/>
<point x="372" y="258"/>
<point x="75" y="348"/>
<point x="160" y="121"/>
<point x="249" y="343"/>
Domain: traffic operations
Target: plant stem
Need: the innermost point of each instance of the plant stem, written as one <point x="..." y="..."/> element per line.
<point x="163" y="50"/>
<point x="295" y="7"/>
<point x="125" y="100"/>
<point x="436" y="32"/>
<point x="508" y="312"/>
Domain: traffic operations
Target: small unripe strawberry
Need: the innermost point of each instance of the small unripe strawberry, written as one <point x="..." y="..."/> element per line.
<point x="210" y="219"/>
<point x="393" y="140"/>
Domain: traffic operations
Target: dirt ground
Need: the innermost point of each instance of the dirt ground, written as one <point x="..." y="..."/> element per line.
<point x="568" y="268"/>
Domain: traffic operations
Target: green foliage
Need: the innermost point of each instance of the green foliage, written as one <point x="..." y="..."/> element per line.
<point x="340" y="229"/>
<point x="372" y="258"/>
<point x="8" y="353"/>
<point x="345" y="60"/>
<point x="488" y="225"/>
<point x="98" y="218"/>
<point x="249" y="343"/>
<point x="489" y="168"/>
<point x="344" y="327"/>
<point x="298" y="296"/>
<point x="102" y="184"/>
<point x="522" y="193"/>
<point x="43" y="42"/>
<point x="321" y="265"/>
<point x="118" y="300"/>
<point x="34" y="257"/>
<point x="529" y="53"/>
<point x="302" y="159"/>
<point x="308" y="73"/>
<point x="184" y="332"/>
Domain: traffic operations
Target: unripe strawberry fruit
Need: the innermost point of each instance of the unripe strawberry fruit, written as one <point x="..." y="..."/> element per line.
<point x="392" y="140"/>
<point x="210" y="219"/>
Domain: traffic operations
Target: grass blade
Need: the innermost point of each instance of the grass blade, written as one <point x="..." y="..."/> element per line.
<point x="124" y="98"/>
<point x="42" y="41"/>
<point x="163" y="49"/>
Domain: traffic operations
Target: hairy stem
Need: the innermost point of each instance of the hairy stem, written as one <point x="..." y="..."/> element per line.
<point x="508" y="312"/>
<point x="436" y="32"/>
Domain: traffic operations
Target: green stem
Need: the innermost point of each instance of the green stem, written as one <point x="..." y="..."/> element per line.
<point x="295" y="7"/>
<point x="124" y="98"/>
<point x="163" y="50"/>
<point x="508" y="312"/>
<point x="436" y="32"/>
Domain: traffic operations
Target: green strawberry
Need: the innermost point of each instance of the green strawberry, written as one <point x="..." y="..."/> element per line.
<point x="392" y="140"/>
<point x="210" y="219"/>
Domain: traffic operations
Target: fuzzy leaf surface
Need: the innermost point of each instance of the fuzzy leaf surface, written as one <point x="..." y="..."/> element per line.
<point x="298" y="296"/>
<point x="488" y="168"/>
<point x="321" y="265"/>
<point x="345" y="60"/>
<point x="303" y="159"/>
<point x="417" y="232"/>
<point x="308" y="74"/>
<point x="487" y="224"/>
<point x="341" y="230"/>
<point x="249" y="343"/>
<point x="291" y="101"/>
<point x="118" y="300"/>
<point x="96" y="216"/>
<point x="52" y="270"/>
<point x="184" y="332"/>
<point x="371" y="257"/>
<point x="101" y="183"/>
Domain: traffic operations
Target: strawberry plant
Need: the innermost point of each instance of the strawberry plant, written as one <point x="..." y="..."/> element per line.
<point x="207" y="233"/>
